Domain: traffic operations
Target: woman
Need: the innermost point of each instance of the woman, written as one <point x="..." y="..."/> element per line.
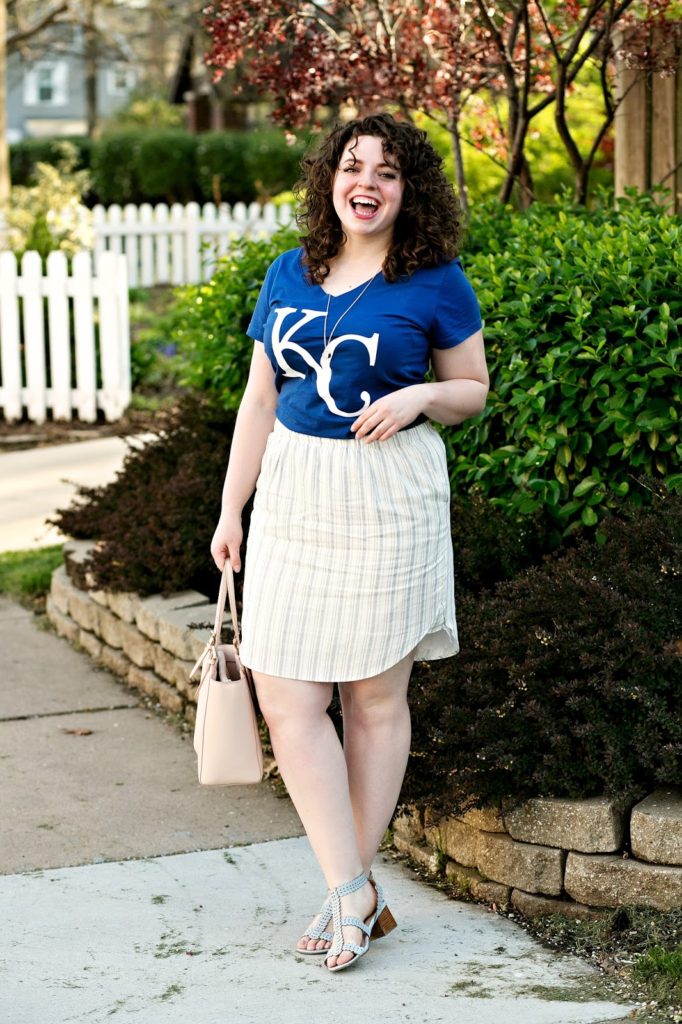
<point x="348" y="570"/>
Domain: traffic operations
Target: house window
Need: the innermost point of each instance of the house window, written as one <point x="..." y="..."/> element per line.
<point x="120" y="80"/>
<point x="45" y="85"/>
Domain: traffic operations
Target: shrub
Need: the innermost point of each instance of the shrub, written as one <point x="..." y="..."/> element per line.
<point x="147" y="112"/>
<point x="114" y="168"/>
<point x="49" y="214"/>
<point x="165" y="166"/>
<point x="569" y="682"/>
<point x="222" y="173"/>
<point x="210" y="319"/>
<point x="155" y="521"/>
<point x="582" y="322"/>
<point x="273" y="161"/>
<point x="28" y="153"/>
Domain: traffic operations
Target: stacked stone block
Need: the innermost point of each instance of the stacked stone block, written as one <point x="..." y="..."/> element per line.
<point x="150" y="642"/>
<point x="549" y="856"/>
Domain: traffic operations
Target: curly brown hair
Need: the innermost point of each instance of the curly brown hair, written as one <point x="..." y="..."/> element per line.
<point x="428" y="229"/>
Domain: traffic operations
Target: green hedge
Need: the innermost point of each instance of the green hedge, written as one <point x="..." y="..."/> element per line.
<point x="26" y="154"/>
<point x="583" y="311"/>
<point x="171" y="165"/>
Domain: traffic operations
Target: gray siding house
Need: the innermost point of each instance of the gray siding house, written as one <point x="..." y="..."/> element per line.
<point x="46" y="91"/>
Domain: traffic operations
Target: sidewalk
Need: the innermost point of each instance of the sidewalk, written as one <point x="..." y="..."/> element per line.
<point x="36" y="482"/>
<point x="184" y="903"/>
<point x="130" y="893"/>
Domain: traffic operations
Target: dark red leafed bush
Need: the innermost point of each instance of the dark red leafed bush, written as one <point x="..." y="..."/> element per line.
<point x="569" y="682"/>
<point x="155" y="521"/>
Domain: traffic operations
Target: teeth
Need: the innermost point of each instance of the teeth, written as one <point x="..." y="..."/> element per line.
<point x="365" y="202"/>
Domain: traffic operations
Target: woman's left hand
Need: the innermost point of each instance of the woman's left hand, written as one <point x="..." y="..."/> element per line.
<point x="385" y="417"/>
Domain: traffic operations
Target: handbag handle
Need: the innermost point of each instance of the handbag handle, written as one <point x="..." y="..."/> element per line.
<point x="226" y="589"/>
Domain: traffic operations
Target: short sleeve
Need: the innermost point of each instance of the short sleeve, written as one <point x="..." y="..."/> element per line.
<point x="457" y="315"/>
<point x="256" y="328"/>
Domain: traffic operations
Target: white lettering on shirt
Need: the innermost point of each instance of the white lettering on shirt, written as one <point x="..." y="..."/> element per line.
<point x="323" y="369"/>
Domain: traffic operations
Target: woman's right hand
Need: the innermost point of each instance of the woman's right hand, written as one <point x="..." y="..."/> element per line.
<point x="227" y="540"/>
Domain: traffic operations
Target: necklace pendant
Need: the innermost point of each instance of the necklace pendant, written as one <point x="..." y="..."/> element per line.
<point x="327" y="340"/>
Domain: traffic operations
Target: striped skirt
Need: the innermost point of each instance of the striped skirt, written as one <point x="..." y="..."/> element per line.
<point x="349" y="562"/>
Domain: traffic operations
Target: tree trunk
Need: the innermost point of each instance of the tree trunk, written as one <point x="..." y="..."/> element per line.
<point x="5" y="183"/>
<point x="460" y="175"/>
<point x="515" y="164"/>
<point x="90" y="63"/>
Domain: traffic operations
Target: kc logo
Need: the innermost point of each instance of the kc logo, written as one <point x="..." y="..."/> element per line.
<point x="323" y="369"/>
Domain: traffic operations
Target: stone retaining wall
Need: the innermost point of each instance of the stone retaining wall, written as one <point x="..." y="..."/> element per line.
<point x="573" y="857"/>
<point x="150" y="642"/>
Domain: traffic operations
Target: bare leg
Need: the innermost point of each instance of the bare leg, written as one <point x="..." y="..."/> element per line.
<point x="377" y="731"/>
<point x="311" y="761"/>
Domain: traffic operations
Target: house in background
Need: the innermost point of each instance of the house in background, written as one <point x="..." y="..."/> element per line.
<point x="75" y="73"/>
<point x="46" y="93"/>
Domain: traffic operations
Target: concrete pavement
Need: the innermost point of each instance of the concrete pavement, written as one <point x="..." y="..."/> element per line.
<point x="36" y="482"/>
<point x="181" y="902"/>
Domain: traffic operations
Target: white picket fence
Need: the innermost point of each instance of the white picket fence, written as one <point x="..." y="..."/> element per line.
<point x="64" y="338"/>
<point x="180" y="244"/>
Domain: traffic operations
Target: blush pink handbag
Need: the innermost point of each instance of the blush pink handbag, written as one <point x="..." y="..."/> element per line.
<point x="226" y="737"/>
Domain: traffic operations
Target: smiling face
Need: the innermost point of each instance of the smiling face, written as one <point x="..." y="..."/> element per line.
<point x="368" y="189"/>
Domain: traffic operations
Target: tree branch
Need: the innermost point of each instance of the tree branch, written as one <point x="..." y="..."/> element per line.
<point x="15" y="39"/>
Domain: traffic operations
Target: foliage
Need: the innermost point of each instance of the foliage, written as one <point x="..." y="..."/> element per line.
<point x="153" y="361"/>
<point x="146" y="112"/>
<point x="137" y="165"/>
<point x="582" y="318"/>
<point x="115" y="159"/>
<point x="26" y="574"/>
<point x="155" y="521"/>
<point x="222" y="169"/>
<point x="621" y="940"/>
<point x="273" y="160"/>
<point x="434" y="58"/>
<point x="49" y="215"/>
<point x="210" y="320"/>
<point x="27" y="153"/>
<point x="140" y="165"/>
<point x="570" y="676"/>
<point x="165" y="165"/>
<point x="662" y="969"/>
<point x="544" y="150"/>
<point x="237" y="167"/>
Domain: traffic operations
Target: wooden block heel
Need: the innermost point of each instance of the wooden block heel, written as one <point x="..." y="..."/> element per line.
<point x="384" y="924"/>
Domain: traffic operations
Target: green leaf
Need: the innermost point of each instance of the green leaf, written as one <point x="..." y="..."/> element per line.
<point x="589" y="516"/>
<point x="584" y="487"/>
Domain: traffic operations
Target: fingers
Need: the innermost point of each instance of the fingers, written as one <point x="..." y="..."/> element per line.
<point x="235" y="559"/>
<point x="224" y="545"/>
<point x="376" y="428"/>
<point x="221" y="555"/>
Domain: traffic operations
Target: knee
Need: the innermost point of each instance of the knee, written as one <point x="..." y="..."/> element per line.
<point x="285" y="709"/>
<point x="369" y="711"/>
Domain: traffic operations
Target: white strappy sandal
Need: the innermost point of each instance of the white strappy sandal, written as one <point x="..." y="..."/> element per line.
<point x="379" y="923"/>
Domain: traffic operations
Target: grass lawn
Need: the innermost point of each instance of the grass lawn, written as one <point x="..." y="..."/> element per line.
<point x="25" y="575"/>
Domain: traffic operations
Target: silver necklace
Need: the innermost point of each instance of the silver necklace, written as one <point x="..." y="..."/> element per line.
<point x="327" y="340"/>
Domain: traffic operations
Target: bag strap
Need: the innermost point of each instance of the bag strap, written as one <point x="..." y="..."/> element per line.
<point x="226" y="590"/>
<point x="227" y="587"/>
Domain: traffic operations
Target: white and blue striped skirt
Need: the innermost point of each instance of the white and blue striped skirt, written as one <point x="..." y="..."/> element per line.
<point x="349" y="563"/>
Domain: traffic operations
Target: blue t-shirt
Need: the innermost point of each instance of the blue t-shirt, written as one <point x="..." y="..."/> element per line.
<point x="381" y="343"/>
